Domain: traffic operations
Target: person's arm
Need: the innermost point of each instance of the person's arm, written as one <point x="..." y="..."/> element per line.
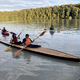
<point x="2" y="31"/>
<point x="33" y="41"/>
<point x="30" y="39"/>
<point x="24" y="40"/>
<point x="11" y="40"/>
<point x="18" y="37"/>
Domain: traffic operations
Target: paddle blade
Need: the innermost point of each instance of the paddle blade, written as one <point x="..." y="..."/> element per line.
<point x="42" y="33"/>
<point x="11" y="32"/>
<point x="8" y="48"/>
<point x="16" y="53"/>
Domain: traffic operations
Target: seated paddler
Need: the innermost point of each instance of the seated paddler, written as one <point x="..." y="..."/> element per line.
<point x="4" y="30"/>
<point x="14" y="39"/>
<point x="52" y="27"/>
<point x="27" y="42"/>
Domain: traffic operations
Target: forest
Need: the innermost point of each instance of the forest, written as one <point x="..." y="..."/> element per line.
<point x="69" y="11"/>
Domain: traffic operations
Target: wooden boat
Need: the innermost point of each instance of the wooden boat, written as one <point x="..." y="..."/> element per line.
<point x="5" y="33"/>
<point x="46" y="51"/>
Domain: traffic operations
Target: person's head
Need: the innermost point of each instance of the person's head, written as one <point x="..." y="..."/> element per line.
<point x="27" y="35"/>
<point x="51" y="25"/>
<point x="3" y="27"/>
<point x="14" y="35"/>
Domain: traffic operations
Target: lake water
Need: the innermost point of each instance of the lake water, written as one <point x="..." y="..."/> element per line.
<point x="31" y="66"/>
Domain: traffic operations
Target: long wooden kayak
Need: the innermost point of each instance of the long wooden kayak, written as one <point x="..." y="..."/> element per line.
<point x="46" y="51"/>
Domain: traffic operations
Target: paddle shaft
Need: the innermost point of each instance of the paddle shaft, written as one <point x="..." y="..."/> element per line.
<point x="11" y="43"/>
<point x="36" y="38"/>
<point x="18" y="51"/>
<point x="29" y="43"/>
<point x="40" y="35"/>
<point x="20" y="33"/>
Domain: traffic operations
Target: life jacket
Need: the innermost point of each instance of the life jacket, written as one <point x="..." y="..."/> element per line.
<point x="28" y="41"/>
<point x="51" y="28"/>
<point x="4" y="30"/>
<point x="14" y="40"/>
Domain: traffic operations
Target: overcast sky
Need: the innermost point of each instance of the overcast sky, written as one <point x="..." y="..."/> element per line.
<point x="11" y="5"/>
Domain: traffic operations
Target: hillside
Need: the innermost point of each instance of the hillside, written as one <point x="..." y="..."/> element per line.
<point x="53" y="12"/>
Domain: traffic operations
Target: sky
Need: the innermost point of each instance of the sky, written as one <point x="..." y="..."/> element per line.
<point x="11" y="5"/>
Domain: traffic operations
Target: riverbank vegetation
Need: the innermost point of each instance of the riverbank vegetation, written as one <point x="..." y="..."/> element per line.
<point x="71" y="11"/>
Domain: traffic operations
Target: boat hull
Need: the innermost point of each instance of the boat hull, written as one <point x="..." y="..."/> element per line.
<point x="5" y="33"/>
<point x="46" y="51"/>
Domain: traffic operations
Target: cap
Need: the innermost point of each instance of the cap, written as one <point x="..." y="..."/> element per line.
<point x="14" y="34"/>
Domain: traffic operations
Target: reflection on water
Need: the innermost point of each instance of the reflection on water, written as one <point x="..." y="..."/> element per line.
<point x="52" y="32"/>
<point x="32" y="66"/>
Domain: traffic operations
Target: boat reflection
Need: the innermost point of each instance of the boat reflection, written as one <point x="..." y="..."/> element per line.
<point x="4" y="37"/>
<point x="28" y="56"/>
<point x="25" y="54"/>
<point x="52" y="32"/>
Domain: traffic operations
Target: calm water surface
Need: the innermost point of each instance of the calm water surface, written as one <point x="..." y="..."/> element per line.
<point x="31" y="66"/>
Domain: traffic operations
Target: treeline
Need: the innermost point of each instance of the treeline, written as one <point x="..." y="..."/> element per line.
<point x="71" y="11"/>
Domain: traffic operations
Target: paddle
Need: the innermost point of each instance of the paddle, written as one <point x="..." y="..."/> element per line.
<point x="10" y="46"/>
<point x="18" y="51"/>
<point x="20" y="33"/>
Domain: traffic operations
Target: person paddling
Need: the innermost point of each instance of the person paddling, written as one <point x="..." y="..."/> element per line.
<point x="51" y="28"/>
<point x="14" y="39"/>
<point x="4" y="30"/>
<point x="27" y="42"/>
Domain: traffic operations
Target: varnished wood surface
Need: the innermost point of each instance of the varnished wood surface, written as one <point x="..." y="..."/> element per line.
<point x="45" y="51"/>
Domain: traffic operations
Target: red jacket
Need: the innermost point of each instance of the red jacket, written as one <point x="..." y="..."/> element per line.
<point x="4" y="30"/>
<point x="14" y="40"/>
